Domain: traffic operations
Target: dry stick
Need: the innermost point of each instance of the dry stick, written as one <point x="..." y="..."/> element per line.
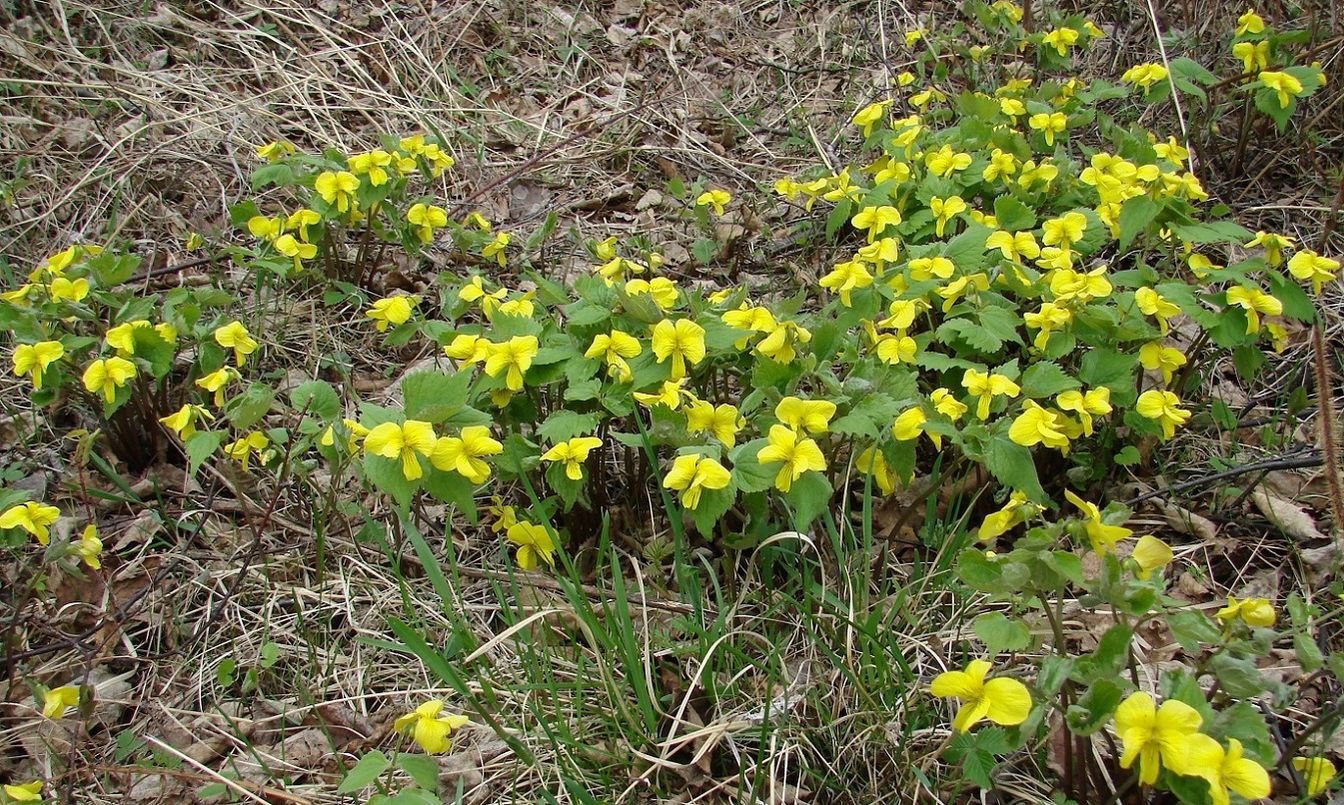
<point x="1284" y="463"/>
<point x="1324" y="390"/>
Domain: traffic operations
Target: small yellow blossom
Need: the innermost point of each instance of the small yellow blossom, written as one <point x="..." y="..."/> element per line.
<point x="404" y="442"/>
<point x="1250" y="23"/>
<point x="798" y="456"/>
<point x="985" y="387"/>
<point x="215" y="382"/>
<point x="35" y="518"/>
<point x="236" y="337"/>
<point x="1037" y="425"/>
<point x="1002" y="700"/>
<point x="723" y="421"/>
<point x="872" y="462"/>
<point x="428" y="728"/>
<point x="426" y="218"/>
<point x="714" y="199"/>
<point x="337" y="189"/>
<point x="1285" y="85"/>
<point x="691" y="474"/>
<point x="1151" y="553"/>
<point x="682" y="340"/>
<point x="869" y="116"/>
<point x="275" y="150"/>
<point x="1255" y="302"/>
<point x="812" y="416"/>
<point x="572" y="454"/>
<point x="1049" y="124"/>
<point x="1155" y="736"/>
<point x="241" y="450"/>
<point x="1102" y="536"/>
<point x="512" y="358"/>
<point x="1309" y="266"/>
<point x="34" y="359"/>
<point x="26" y="792"/>
<point x="393" y="310"/>
<point x="90" y="547"/>
<point x="1061" y="39"/>
<point x="1145" y="75"/>
<point x="106" y="375"/>
<point x="534" y="543"/>
<point x="1317" y="773"/>
<point x="1164" y="407"/>
<point x="495" y="248"/>
<point x="1251" y="611"/>
<point x="613" y="348"/>
<point x="183" y="421"/>
<point x="464" y="454"/>
<point x="844" y="278"/>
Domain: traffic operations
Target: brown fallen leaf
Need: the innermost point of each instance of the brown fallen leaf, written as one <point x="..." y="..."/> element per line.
<point x="1285" y="514"/>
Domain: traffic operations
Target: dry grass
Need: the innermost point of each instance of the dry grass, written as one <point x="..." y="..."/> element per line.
<point x="121" y="122"/>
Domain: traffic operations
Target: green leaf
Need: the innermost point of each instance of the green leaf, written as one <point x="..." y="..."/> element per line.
<point x="200" y="446"/>
<point x="1105" y="367"/>
<point x="809" y="496"/>
<point x="1001" y="323"/>
<point x="1110" y="656"/>
<point x="582" y="314"/>
<point x="838" y="217"/>
<point x="973" y="753"/>
<point x="1136" y="215"/>
<point x="707" y="513"/>
<point x="248" y="409"/>
<point x="1239" y="677"/>
<point x="564" y="424"/>
<point x="1013" y="215"/>
<point x="1095" y="707"/>
<point x="452" y="488"/>
<point x="970" y="334"/>
<point x="432" y="395"/>
<point x="1046" y="379"/>
<point x="422" y="769"/>
<point x="386" y="474"/>
<point x="749" y="475"/>
<point x="1192" y="629"/>
<point x="364" y="773"/>
<point x="1246" y="723"/>
<point x="1000" y="633"/>
<point x="1212" y="232"/>
<point x="318" y="398"/>
<point x="1296" y="303"/>
<point x="1014" y="467"/>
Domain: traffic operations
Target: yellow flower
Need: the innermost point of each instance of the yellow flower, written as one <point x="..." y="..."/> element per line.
<point x="35" y="358"/>
<point x="1151" y="303"/>
<point x="1072" y="286"/>
<point x="1309" y="266"/>
<point x="27" y="792"/>
<point x="463" y="454"/>
<point x="1096" y="402"/>
<point x="812" y="416"/>
<point x="1001" y="164"/>
<point x="947" y="405"/>
<point x="723" y="421"/>
<point x="403" y="442"/>
<point x="301" y="219"/>
<point x="122" y="337"/>
<point x="902" y="313"/>
<point x="1014" y="245"/>
<point x="495" y="248"/>
<point x="356" y="432"/>
<point x="89" y="546"/>
<point x="912" y="37"/>
<point x="905" y="78"/>
<point x="662" y="290"/>
<point x="55" y="701"/>
<point x="1285" y="85"/>
<point x="1036" y="425"/>
<point x="266" y="228"/>
<point x="716" y="199"/>
<point x="430" y="729"/>
<point x="1153" y="356"/>
<point x="108" y="375"/>
<point x="1250" y="23"/>
<point x="1254" y="55"/>
<point x="682" y="340"/>
<point x="1049" y="124"/>
<point x="236" y="337"/>
<point x="870" y="115"/>
<point x="1145" y="75"/>
<point x="1151" y="553"/>
<point x="337" y="189"/>
<point x="275" y="150"/>
<point x="1101" y="535"/>
<point x="985" y="387"/>
<point x="216" y="381"/>
<point x="1012" y="107"/>
<point x="876" y="219"/>
<point x="893" y="349"/>
<point x="1163" y="406"/>
<point x="1155" y="736"/>
<point x="69" y="290"/>
<point x="1273" y="244"/>
<point x="1317" y="772"/>
<point x="955" y="289"/>
<point x="872" y="462"/>
<point x="1015" y="511"/>
<point x="945" y="161"/>
<point x="372" y="163"/>
<point x="35" y="518"/>
<point x="910" y="424"/>
<point x="534" y="542"/>
<point x="297" y="250"/>
<point x="691" y="474"/>
<point x="1251" y="611"/>
<point x="879" y="253"/>
<point x="844" y="278"/>
<point x="393" y="310"/>
<point x="241" y="450"/>
<point x="476" y="220"/>
<point x="668" y="394"/>
<point x="779" y="344"/>
<point x="1255" y="302"/>
<point x="514" y="358"/>
<point x="1002" y="700"/>
<point x="944" y="210"/>
<point x="614" y="348"/>
<point x="798" y="456"/>
<point x="1046" y="172"/>
<point x="1048" y="319"/>
<point x="1065" y="230"/>
<point x="572" y="454"/>
<point x="922" y="268"/>
<point x="183" y="421"/>
<point x="1060" y="39"/>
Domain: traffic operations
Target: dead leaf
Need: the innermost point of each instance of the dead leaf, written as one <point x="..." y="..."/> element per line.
<point x="1187" y="522"/>
<point x="1285" y="514"/>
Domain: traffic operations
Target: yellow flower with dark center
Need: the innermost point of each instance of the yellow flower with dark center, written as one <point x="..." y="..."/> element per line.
<point x="1156" y="736"/>
<point x="613" y="348"/>
<point x="985" y="387"/>
<point x="428" y="728"/>
<point x="812" y="416"/>
<point x="1002" y="700"/>
<point x="797" y="456"/>
<point x="337" y="189"/>
<point x="34" y="359"/>
<point x="723" y="421"/>
<point x="404" y="442"/>
<point x="572" y="454"/>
